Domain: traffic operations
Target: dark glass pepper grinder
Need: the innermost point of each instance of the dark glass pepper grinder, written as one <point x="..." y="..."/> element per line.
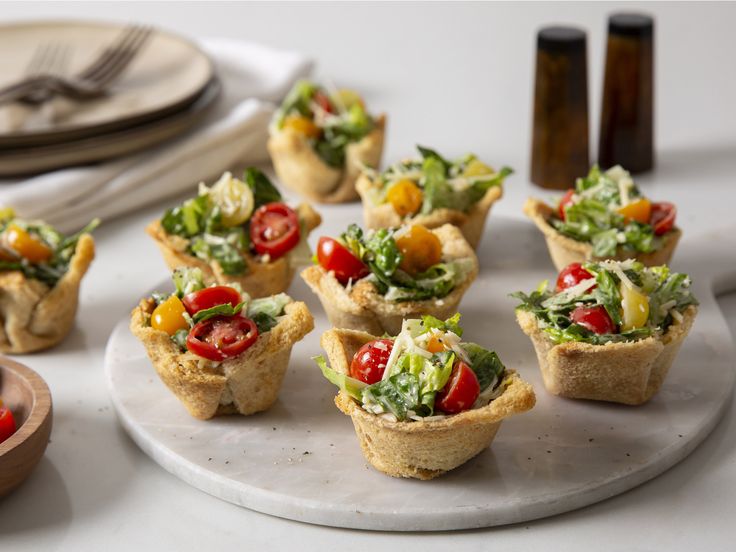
<point x="560" y="134"/>
<point x="627" y="114"/>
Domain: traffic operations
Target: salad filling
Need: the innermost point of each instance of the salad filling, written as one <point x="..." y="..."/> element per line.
<point x="216" y="322"/>
<point x="329" y="121"/>
<point x="404" y="264"/>
<point x="237" y="220"/>
<point x="609" y="301"/>
<point x="607" y="210"/>
<point x="35" y="248"/>
<point x="426" y="372"/>
<point x="421" y="186"/>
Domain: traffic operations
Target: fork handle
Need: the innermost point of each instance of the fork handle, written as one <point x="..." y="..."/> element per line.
<point x="20" y="89"/>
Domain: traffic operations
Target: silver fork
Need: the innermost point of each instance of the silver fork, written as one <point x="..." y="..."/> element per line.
<point x="92" y="81"/>
<point x="49" y="59"/>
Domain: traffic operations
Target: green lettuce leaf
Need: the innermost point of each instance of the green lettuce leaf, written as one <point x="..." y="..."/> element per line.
<point x="218" y="310"/>
<point x="487" y="366"/>
<point x="351" y="386"/>
<point x="263" y="190"/>
<point x="187" y="280"/>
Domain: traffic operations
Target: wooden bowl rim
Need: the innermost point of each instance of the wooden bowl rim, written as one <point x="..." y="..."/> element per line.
<point x="40" y="410"/>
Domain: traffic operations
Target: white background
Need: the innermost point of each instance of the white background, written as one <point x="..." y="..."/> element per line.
<point x="456" y="77"/>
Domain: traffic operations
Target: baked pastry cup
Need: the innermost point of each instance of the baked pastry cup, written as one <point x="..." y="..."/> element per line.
<point x="471" y="223"/>
<point x="564" y="250"/>
<point x="35" y="315"/>
<point x="628" y="372"/>
<point x="299" y="167"/>
<point x="422" y="449"/>
<point x="260" y="279"/>
<point x="244" y="384"/>
<point x="608" y="331"/>
<point x="361" y="306"/>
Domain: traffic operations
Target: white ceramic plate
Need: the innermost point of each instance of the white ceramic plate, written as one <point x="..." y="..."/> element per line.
<point x="168" y="74"/>
<point x="301" y="460"/>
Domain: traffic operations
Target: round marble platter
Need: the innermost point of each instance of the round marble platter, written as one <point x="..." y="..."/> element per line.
<point x="301" y="459"/>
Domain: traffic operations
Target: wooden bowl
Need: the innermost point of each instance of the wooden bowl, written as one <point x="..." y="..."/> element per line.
<point x="28" y="397"/>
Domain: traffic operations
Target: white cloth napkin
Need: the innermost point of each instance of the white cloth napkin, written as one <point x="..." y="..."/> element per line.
<point x="254" y="79"/>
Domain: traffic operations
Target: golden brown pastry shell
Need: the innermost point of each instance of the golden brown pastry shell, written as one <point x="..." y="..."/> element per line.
<point x="32" y="315"/>
<point x="363" y="308"/>
<point x="302" y="170"/>
<point x="471" y="224"/>
<point x="259" y="280"/>
<point x="245" y="384"/>
<point x="421" y="449"/>
<point x="564" y="250"/>
<point x="628" y="373"/>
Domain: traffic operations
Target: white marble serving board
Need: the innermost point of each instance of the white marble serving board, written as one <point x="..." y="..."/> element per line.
<point x="301" y="460"/>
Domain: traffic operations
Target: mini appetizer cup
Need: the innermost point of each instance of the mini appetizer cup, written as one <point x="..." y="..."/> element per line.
<point x="244" y="384"/>
<point x="361" y="307"/>
<point x="422" y="449"/>
<point x="35" y="316"/>
<point x="629" y="372"/>
<point x="564" y="251"/>
<point x="300" y="168"/>
<point x="260" y="279"/>
<point x="470" y="223"/>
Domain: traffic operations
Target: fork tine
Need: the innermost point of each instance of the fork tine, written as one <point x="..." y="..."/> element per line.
<point x="109" y="52"/>
<point x="117" y="65"/>
<point x="38" y="59"/>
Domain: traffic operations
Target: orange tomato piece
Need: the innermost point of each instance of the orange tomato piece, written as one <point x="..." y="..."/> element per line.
<point x="168" y="316"/>
<point x="26" y="245"/>
<point x="435" y="344"/>
<point x="302" y="125"/>
<point x="639" y="210"/>
<point x="405" y="197"/>
<point x="420" y="249"/>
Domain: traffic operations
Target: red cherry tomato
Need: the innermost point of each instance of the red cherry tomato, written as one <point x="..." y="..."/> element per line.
<point x="274" y="229"/>
<point x="222" y="337"/>
<point x="663" y="217"/>
<point x="334" y="256"/>
<point x="370" y="361"/>
<point x="7" y="423"/>
<point x="210" y="297"/>
<point x="323" y="101"/>
<point x="461" y="390"/>
<point x="595" y="319"/>
<point x="564" y="202"/>
<point x="572" y="275"/>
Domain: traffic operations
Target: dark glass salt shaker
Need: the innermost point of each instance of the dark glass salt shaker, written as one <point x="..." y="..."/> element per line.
<point x="560" y="130"/>
<point x="627" y="113"/>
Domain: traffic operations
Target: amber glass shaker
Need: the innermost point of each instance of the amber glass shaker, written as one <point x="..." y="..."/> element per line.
<point x="627" y="114"/>
<point x="560" y="132"/>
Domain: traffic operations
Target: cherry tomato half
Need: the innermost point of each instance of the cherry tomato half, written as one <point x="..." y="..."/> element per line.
<point x="26" y="245"/>
<point x="663" y="217"/>
<point x="571" y="275"/>
<point x="210" y="297"/>
<point x="323" y="101"/>
<point x="370" y="361"/>
<point x="222" y="337"/>
<point x="461" y="390"/>
<point x="7" y="423"/>
<point x="564" y="202"/>
<point x="334" y="256"/>
<point x="595" y="319"/>
<point x="274" y="229"/>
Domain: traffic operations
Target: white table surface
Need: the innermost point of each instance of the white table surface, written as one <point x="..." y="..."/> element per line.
<point x="456" y="77"/>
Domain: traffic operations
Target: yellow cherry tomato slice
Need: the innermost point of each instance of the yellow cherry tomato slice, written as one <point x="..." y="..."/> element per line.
<point x="477" y="168"/>
<point x="435" y="344"/>
<point x="235" y="199"/>
<point x="405" y="197"/>
<point x="169" y="316"/>
<point x="302" y="125"/>
<point x="635" y="307"/>
<point x="420" y="250"/>
<point x="26" y="245"/>
<point x="348" y="98"/>
<point x="639" y="210"/>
